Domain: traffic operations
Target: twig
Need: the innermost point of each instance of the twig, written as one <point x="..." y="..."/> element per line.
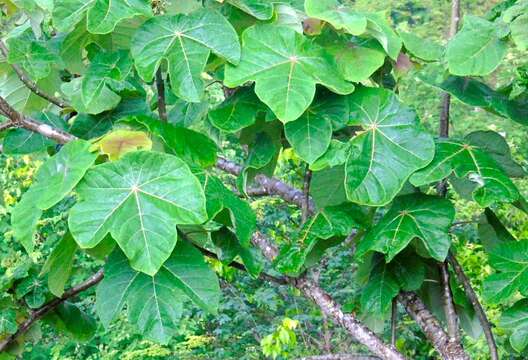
<point x="306" y="193"/>
<point x="431" y="327"/>
<point x="50" y="306"/>
<point x="449" y="306"/>
<point x="30" y="83"/>
<point x="6" y="125"/>
<point x="394" y="321"/>
<point x="160" y="87"/>
<point x="472" y="296"/>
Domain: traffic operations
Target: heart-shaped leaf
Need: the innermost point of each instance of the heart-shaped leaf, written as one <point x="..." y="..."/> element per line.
<point x="477" y="49"/>
<point x="340" y="16"/>
<point x="154" y="303"/>
<point x="139" y="199"/>
<point x="393" y="146"/>
<point x="511" y="260"/>
<point x="102" y="15"/>
<point x="412" y="216"/>
<point x="185" y="42"/>
<point x="468" y="160"/>
<point x="285" y="67"/>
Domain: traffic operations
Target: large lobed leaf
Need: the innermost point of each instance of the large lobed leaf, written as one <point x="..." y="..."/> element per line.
<point x="393" y="146"/>
<point x="154" y="303"/>
<point x="185" y="42"/>
<point x="139" y="199"/>
<point x="425" y="217"/>
<point x="285" y="67"/>
<point x="340" y="16"/>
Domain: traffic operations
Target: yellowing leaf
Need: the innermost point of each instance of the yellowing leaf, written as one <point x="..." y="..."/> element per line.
<point x="119" y="142"/>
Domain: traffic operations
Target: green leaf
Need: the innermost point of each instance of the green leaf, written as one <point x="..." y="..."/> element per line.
<point x="59" y="264"/>
<point x="428" y="218"/>
<point x="260" y="9"/>
<point x="357" y="61"/>
<point x="102" y="15"/>
<point x="99" y="81"/>
<point x="21" y="141"/>
<point x="237" y="112"/>
<point x="285" y="67"/>
<point x="477" y="49"/>
<point x="191" y="146"/>
<point x="382" y="287"/>
<point x="519" y="32"/>
<point x="497" y="147"/>
<point x="468" y="160"/>
<point x="335" y="155"/>
<point x="33" y="290"/>
<point x="393" y="146"/>
<point x="8" y="324"/>
<point x="154" y="303"/>
<point x="243" y="218"/>
<point x="184" y="113"/>
<point x="515" y="319"/>
<point x="511" y="260"/>
<point x="310" y="134"/>
<point x="55" y="179"/>
<point x="340" y="16"/>
<point x="379" y="28"/>
<point x="422" y="49"/>
<point x="185" y="42"/>
<point x="105" y="101"/>
<point x="139" y="199"/>
<point x="34" y="55"/>
<point x="67" y="317"/>
<point x="328" y="187"/>
<point x="491" y="231"/>
<point x="476" y="93"/>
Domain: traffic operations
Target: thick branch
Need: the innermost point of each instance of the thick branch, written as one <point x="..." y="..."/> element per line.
<point x="50" y="306"/>
<point x="330" y="308"/>
<point x="27" y="123"/>
<point x="340" y="357"/>
<point x="472" y="296"/>
<point x="160" y="87"/>
<point x="31" y="85"/>
<point x="431" y="327"/>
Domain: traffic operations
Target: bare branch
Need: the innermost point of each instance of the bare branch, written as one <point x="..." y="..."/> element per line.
<point x="31" y="85"/>
<point x="449" y="305"/>
<point x="431" y="327"/>
<point x="7" y="125"/>
<point x="472" y="296"/>
<point x="50" y="306"/>
<point x="160" y="87"/>
<point x="27" y="123"/>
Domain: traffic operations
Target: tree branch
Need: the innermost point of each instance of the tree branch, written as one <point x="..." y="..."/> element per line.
<point x="46" y="130"/>
<point x="329" y="307"/>
<point x="50" y="306"/>
<point x="160" y="87"/>
<point x="7" y="125"/>
<point x="449" y="306"/>
<point x="31" y="85"/>
<point x="472" y="296"/>
<point x="340" y="357"/>
<point x="431" y="327"/>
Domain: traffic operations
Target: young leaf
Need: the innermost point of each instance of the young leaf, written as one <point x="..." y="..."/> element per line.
<point x="58" y="266"/>
<point x="340" y="16"/>
<point x="102" y="15"/>
<point x="477" y="49"/>
<point x="412" y="216"/>
<point x="422" y="49"/>
<point x="393" y="146"/>
<point x="285" y="67"/>
<point x="468" y="160"/>
<point x="511" y="260"/>
<point x="185" y="42"/>
<point x="154" y="303"/>
<point x="138" y="199"/>
<point x="516" y="320"/>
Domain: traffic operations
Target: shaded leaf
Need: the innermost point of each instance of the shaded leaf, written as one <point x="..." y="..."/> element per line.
<point x="237" y="112"/>
<point x="516" y="320"/>
<point x="59" y="264"/>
